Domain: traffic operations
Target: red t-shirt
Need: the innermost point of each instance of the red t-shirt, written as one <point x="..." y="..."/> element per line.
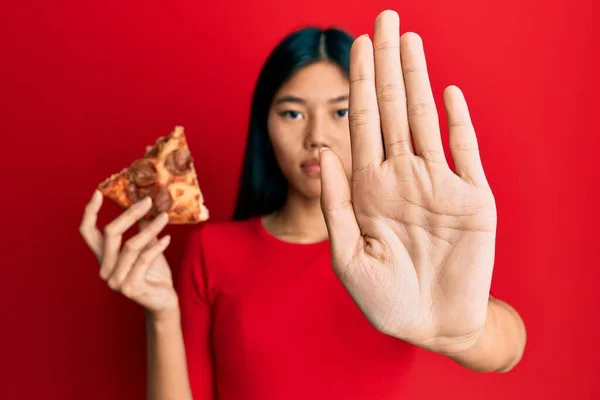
<point x="266" y="319"/>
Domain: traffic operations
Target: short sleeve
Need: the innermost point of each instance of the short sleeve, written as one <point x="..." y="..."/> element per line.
<point x="195" y="318"/>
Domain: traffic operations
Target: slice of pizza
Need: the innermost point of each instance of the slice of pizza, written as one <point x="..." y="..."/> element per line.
<point x="166" y="173"/>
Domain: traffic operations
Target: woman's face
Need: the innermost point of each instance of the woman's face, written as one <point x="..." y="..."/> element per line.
<point x="308" y="112"/>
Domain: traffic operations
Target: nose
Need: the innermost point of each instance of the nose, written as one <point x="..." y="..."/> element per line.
<point x="316" y="132"/>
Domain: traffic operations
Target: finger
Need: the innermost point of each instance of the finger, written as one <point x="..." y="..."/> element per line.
<point x="463" y="141"/>
<point x="391" y="94"/>
<point x="114" y="231"/>
<point x="88" y="229"/>
<point x="144" y="223"/>
<point x="149" y="229"/>
<point x="365" y="132"/>
<point x="134" y="247"/>
<point x="422" y="114"/>
<point x="336" y="203"/>
<point x="138" y="271"/>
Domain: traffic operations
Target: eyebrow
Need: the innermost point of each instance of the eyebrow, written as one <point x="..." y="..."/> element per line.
<point x="298" y="100"/>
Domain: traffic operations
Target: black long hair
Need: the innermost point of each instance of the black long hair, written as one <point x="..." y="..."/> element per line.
<point x="264" y="188"/>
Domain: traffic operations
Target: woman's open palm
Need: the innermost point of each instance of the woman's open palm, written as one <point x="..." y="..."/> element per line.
<point x="412" y="241"/>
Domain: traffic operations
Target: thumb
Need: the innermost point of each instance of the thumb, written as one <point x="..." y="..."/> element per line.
<point x="336" y="204"/>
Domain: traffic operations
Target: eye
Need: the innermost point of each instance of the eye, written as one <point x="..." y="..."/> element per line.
<point x="291" y="114"/>
<point x="343" y="113"/>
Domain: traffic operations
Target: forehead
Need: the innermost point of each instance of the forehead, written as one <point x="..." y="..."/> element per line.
<point x="317" y="82"/>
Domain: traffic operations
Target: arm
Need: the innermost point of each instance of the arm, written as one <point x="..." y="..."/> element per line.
<point x="141" y="273"/>
<point x="167" y="366"/>
<point x="180" y="364"/>
<point x="194" y="321"/>
<point x="412" y="240"/>
<point x="501" y="343"/>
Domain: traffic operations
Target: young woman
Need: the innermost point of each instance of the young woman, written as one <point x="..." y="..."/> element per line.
<point x="259" y="312"/>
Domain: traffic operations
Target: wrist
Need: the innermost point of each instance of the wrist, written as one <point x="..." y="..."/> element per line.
<point x="499" y="345"/>
<point x="164" y="317"/>
<point x="475" y="353"/>
<point x="456" y="346"/>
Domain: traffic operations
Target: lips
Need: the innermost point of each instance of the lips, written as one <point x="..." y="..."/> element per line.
<point x="311" y="166"/>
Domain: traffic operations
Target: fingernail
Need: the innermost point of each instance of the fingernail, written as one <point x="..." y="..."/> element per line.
<point x="144" y="203"/>
<point x="165" y="239"/>
<point x="366" y="35"/>
<point x="323" y="148"/>
<point x="163" y="217"/>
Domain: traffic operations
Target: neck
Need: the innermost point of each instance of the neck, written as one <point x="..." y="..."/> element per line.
<point x="300" y="220"/>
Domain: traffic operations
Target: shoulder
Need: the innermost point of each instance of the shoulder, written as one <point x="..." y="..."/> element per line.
<point x="219" y="249"/>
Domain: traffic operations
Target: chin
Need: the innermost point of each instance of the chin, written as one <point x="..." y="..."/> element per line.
<point x="310" y="189"/>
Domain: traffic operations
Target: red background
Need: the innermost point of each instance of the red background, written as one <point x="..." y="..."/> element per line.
<point x="84" y="86"/>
